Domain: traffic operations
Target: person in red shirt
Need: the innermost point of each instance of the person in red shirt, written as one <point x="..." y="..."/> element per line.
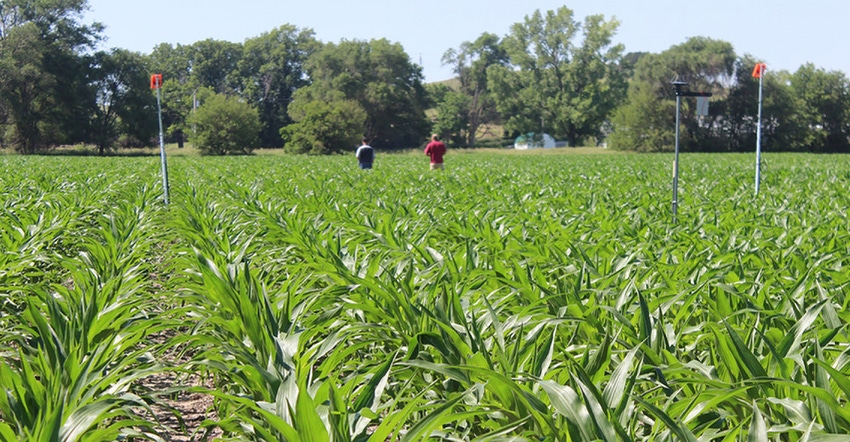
<point x="436" y="149"/>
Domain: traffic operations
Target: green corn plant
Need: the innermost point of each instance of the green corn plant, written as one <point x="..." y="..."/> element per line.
<point x="514" y="297"/>
<point x="81" y="345"/>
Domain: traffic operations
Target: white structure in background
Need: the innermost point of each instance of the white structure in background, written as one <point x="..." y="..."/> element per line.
<point x="533" y="140"/>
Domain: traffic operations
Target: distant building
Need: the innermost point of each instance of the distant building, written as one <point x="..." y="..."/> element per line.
<point x="533" y="140"/>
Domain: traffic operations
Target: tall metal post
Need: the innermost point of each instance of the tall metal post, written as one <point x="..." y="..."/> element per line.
<point x="676" y="163"/>
<point x="758" y="133"/>
<point x="680" y="89"/>
<point x="678" y="85"/>
<point x="162" y="147"/>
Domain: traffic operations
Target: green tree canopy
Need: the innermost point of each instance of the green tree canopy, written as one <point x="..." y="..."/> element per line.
<point x="825" y="107"/>
<point x="213" y="63"/>
<point x="123" y="103"/>
<point x="452" y="114"/>
<point x="270" y="71"/>
<point x="324" y="126"/>
<point x="381" y="79"/>
<point x="782" y="126"/>
<point x="186" y="70"/>
<point x="461" y="117"/>
<point x="569" y="88"/>
<point x="210" y="63"/>
<point x="172" y="61"/>
<point x="178" y="102"/>
<point x="43" y="88"/>
<point x="225" y="125"/>
<point x="646" y="122"/>
<point x="23" y="82"/>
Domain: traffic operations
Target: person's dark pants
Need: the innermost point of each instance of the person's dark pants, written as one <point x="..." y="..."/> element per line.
<point x="365" y="165"/>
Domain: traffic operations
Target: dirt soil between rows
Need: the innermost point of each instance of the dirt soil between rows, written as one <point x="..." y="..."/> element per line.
<point x="180" y="414"/>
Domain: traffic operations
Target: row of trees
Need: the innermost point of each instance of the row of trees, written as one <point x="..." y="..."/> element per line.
<point x="285" y="88"/>
<point x="808" y="110"/>
<point x="282" y="88"/>
<point x="54" y="89"/>
<point x="539" y="77"/>
<point x="555" y="74"/>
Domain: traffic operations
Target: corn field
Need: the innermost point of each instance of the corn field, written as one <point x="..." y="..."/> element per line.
<point x="507" y="298"/>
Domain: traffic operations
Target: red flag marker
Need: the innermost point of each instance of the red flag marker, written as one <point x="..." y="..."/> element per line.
<point x="156" y="81"/>
<point x="758" y="71"/>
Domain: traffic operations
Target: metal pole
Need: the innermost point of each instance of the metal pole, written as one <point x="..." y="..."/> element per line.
<point x="162" y="149"/>
<point x="676" y="163"/>
<point x="758" y="135"/>
<point x="194" y="109"/>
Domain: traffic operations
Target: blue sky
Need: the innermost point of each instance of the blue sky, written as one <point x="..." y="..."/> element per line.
<point x="783" y="33"/>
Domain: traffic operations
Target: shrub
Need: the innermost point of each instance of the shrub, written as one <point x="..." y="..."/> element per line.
<point x="225" y="125"/>
<point x="324" y="127"/>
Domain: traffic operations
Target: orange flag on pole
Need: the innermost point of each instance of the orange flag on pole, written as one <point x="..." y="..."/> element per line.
<point x="156" y="81"/>
<point x="758" y="71"/>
